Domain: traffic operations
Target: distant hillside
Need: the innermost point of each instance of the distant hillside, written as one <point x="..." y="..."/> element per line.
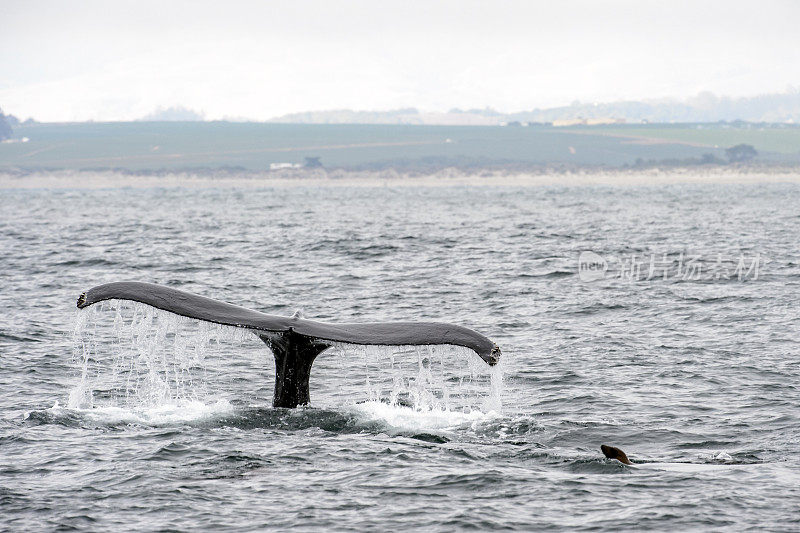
<point x="5" y="128"/>
<point x="409" y="116"/>
<point x="705" y="107"/>
<point x="174" y="114"/>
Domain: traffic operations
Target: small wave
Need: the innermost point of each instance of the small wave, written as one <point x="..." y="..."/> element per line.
<point x="691" y="468"/>
<point x="554" y="274"/>
<point x="169" y="451"/>
<point x="18" y="338"/>
<point x="188" y="269"/>
<point x="706" y="444"/>
<point x="716" y="299"/>
<point x="372" y="251"/>
<point x="597" y="308"/>
<point x="231" y="465"/>
<point x="98" y="261"/>
<point x="471" y="481"/>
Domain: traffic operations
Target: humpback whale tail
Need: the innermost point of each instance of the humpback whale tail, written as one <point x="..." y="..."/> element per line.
<point x="294" y="341"/>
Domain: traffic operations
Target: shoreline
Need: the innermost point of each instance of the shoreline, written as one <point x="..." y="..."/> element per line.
<point x="100" y="179"/>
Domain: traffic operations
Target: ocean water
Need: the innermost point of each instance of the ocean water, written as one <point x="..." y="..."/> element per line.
<point x="674" y="336"/>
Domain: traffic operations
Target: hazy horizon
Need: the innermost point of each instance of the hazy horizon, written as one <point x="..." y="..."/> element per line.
<point x="780" y="107"/>
<point x="248" y="60"/>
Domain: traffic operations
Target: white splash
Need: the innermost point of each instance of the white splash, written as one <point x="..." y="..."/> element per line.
<point x="143" y="359"/>
<point x="161" y="415"/>
<point x="411" y="419"/>
<point x="723" y="456"/>
<point x="426" y="378"/>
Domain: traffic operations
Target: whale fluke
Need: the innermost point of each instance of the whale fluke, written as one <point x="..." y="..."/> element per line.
<point x="615" y="453"/>
<point x="295" y="341"/>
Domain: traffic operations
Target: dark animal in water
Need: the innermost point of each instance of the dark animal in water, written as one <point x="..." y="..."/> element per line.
<point x="615" y="453"/>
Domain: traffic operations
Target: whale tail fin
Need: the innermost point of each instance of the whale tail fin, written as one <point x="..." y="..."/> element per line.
<point x="615" y="453"/>
<point x="294" y="341"/>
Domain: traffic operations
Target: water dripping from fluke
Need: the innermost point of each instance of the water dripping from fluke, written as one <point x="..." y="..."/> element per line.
<point x="160" y="339"/>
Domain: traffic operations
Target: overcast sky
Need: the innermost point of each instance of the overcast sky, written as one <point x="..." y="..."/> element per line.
<point x="121" y="60"/>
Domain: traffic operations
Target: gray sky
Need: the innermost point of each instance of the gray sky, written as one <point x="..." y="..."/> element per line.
<point x="120" y="60"/>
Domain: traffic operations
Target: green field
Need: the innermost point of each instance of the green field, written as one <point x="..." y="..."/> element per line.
<point x="782" y="140"/>
<point x="142" y="146"/>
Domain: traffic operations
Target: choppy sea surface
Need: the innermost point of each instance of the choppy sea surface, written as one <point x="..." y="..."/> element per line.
<point x="676" y="340"/>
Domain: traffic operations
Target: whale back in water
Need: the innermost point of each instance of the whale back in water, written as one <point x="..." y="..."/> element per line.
<point x="294" y="341"/>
